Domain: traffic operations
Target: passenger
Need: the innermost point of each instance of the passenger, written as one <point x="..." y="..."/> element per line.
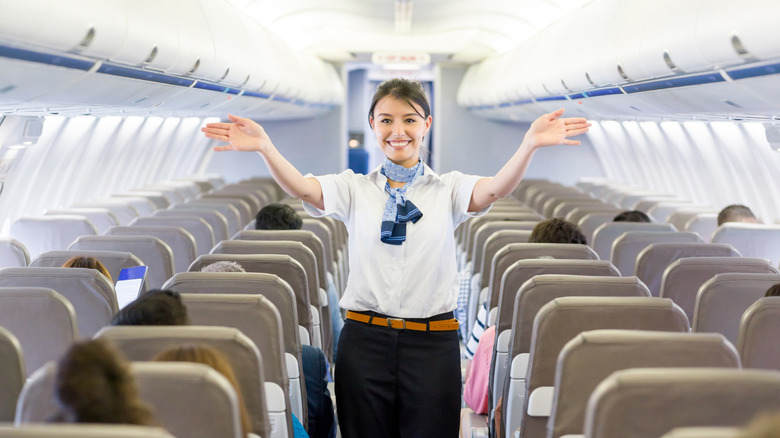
<point x="773" y="291"/>
<point x="156" y="307"/>
<point x="322" y="420"/>
<point x="413" y="287"/>
<point x="208" y="356"/>
<point x="94" y="384"/>
<point x="89" y="263"/>
<point x="632" y="216"/>
<point x="278" y="217"/>
<point x="557" y="230"/>
<point x="737" y="213"/>
<point x="475" y="392"/>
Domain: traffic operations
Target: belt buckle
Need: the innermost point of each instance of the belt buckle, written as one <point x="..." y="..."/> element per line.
<point x="391" y="320"/>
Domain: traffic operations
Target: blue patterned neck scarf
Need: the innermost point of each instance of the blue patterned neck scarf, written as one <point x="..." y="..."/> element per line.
<point x="399" y="210"/>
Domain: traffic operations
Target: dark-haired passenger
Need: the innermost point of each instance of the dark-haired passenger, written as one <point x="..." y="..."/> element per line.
<point x="156" y="307"/>
<point x="278" y="217"/>
<point x="737" y="213"/>
<point x="557" y="230"/>
<point x="773" y="291"/>
<point x="632" y="216"/>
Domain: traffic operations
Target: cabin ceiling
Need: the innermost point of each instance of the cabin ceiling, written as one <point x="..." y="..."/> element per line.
<point x="458" y="30"/>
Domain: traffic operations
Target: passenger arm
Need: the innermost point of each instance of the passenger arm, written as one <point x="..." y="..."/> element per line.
<point x="547" y="130"/>
<point x="246" y="135"/>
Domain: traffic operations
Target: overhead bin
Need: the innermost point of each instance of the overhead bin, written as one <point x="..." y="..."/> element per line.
<point x="149" y="41"/>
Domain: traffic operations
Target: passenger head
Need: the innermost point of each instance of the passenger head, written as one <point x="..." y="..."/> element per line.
<point x="736" y="213"/>
<point x="632" y="216"/>
<point x="208" y="356"/>
<point x="773" y="291"/>
<point x="223" y="266"/>
<point x="94" y="384"/>
<point x="400" y="116"/>
<point x="278" y="217"/>
<point x="557" y="230"/>
<point x="156" y="307"/>
<point x="89" y="263"/>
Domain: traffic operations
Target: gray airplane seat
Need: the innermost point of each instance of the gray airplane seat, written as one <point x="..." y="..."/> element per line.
<point x="704" y="432"/>
<point x="703" y="224"/>
<point x="257" y="318"/>
<point x="758" y="329"/>
<point x="46" y="233"/>
<point x="82" y="430"/>
<point x="180" y="241"/>
<point x="90" y="292"/>
<point x="532" y="296"/>
<point x="100" y="218"/>
<point x="492" y="236"/>
<point x="723" y="299"/>
<point x="682" y="279"/>
<point x="122" y="210"/>
<point x="649" y="402"/>
<point x="592" y="356"/>
<point x="264" y="400"/>
<point x="473" y="224"/>
<point x="654" y="259"/>
<point x="276" y="290"/>
<point x="215" y="219"/>
<point x="627" y="246"/>
<point x="605" y="235"/>
<point x="42" y="321"/>
<point x="114" y="261"/>
<point x="187" y="399"/>
<point x="13" y="254"/>
<point x="751" y="240"/>
<point x="245" y="211"/>
<point x="227" y="210"/>
<point x="152" y="251"/>
<point x="682" y="217"/>
<point x="13" y="376"/>
<point x="560" y="321"/>
<point x="158" y="198"/>
<point x="564" y="208"/>
<point x="199" y="229"/>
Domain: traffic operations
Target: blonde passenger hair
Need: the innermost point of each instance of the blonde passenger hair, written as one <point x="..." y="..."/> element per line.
<point x="89" y="263"/>
<point x="208" y="356"/>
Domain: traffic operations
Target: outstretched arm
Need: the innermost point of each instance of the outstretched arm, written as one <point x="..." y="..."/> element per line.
<point x="246" y="135"/>
<point x="547" y="130"/>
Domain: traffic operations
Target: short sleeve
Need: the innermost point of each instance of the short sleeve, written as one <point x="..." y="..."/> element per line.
<point x="336" y="195"/>
<point x="463" y="187"/>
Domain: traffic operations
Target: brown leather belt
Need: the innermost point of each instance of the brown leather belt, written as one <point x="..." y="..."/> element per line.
<point x="402" y="324"/>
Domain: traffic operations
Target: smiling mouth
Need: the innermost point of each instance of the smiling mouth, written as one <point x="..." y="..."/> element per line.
<point x="398" y="144"/>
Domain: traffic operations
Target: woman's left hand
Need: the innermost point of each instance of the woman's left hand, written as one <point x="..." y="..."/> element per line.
<point x="550" y="129"/>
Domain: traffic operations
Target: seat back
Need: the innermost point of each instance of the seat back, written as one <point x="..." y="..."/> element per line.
<point x="654" y="259"/>
<point x="627" y="246"/>
<point x="245" y="211"/>
<point x="324" y="234"/>
<point x="757" y="343"/>
<point x="152" y="251"/>
<point x="704" y="432"/>
<point x="723" y="299"/>
<point x="560" y="320"/>
<point x="199" y="229"/>
<point x="682" y="279"/>
<point x="592" y="356"/>
<point x="43" y="322"/>
<point x="493" y="244"/>
<point x="473" y="224"/>
<point x="523" y="270"/>
<point x="605" y="235"/>
<point x="648" y="402"/>
<point x="100" y="218"/>
<point x="83" y="430"/>
<point x="683" y="216"/>
<point x="142" y="343"/>
<point x="141" y="205"/>
<point x="45" y="233"/>
<point x="231" y="213"/>
<point x="589" y="221"/>
<point x="567" y="206"/>
<point x="703" y="224"/>
<point x="157" y="197"/>
<point x="13" y="372"/>
<point x="487" y="230"/>
<point x="179" y="240"/>
<point x="270" y="286"/>
<point x="188" y="399"/>
<point x="90" y="292"/>
<point x="215" y="219"/>
<point x="121" y="210"/>
<point x="751" y="240"/>
<point x="13" y="253"/>
<point x="114" y="261"/>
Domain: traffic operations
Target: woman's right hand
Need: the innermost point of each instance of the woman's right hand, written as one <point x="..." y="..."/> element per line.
<point x="241" y="135"/>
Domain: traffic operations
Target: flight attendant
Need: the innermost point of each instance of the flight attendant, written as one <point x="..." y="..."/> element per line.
<point x="397" y="371"/>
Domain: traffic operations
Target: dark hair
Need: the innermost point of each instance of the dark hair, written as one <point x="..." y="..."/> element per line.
<point x="88" y="263"/>
<point x="278" y="217"/>
<point x="156" y="307"/>
<point x="773" y="291"/>
<point x="632" y="216"/>
<point x="557" y="230"/>
<point x="411" y="92"/>
<point x="94" y="384"/>
<point x="736" y="213"/>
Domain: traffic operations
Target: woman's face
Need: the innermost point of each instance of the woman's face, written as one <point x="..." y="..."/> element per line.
<point x="399" y="130"/>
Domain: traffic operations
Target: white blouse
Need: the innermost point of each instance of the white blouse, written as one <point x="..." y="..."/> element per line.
<point x="417" y="279"/>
